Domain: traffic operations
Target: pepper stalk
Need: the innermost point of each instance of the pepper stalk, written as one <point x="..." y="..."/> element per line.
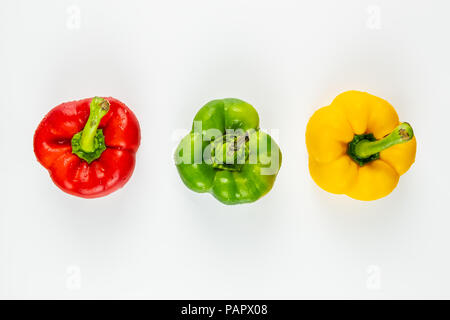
<point x="365" y="148"/>
<point x="230" y="151"/>
<point x="89" y="143"/>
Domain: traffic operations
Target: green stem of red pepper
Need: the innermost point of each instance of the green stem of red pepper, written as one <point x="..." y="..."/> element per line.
<point x="89" y="143"/>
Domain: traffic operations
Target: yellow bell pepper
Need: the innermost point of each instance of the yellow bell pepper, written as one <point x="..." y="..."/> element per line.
<point x="358" y="147"/>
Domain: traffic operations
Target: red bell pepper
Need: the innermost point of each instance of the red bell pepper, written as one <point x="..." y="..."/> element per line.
<point x="88" y="146"/>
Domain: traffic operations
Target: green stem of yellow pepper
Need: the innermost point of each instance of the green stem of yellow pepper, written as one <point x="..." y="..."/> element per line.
<point x="401" y="134"/>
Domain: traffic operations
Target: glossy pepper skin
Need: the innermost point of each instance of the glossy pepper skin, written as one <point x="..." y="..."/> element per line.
<point x="231" y="182"/>
<point x="358" y="147"/>
<point x="111" y="139"/>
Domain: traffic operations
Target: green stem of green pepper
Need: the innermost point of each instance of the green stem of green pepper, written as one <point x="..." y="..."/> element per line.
<point x="230" y="152"/>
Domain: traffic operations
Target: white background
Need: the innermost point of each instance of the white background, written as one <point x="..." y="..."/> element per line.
<point x="157" y="239"/>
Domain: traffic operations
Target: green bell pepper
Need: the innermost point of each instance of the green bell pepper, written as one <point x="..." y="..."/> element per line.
<point x="227" y="155"/>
